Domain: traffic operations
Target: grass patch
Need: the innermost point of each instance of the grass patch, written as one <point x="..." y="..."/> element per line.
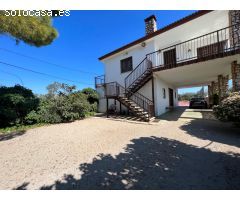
<point x="18" y="128"/>
<point x="90" y="114"/>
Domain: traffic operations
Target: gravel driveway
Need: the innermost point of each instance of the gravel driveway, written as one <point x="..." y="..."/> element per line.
<point x="100" y="153"/>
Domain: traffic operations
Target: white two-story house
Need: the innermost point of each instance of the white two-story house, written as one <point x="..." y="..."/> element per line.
<point x="143" y="76"/>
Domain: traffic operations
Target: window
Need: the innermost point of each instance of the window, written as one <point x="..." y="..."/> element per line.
<point x="164" y="93"/>
<point x="175" y="95"/>
<point x="126" y="65"/>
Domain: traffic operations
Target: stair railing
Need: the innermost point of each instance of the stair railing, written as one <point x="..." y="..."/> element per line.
<point x="115" y="90"/>
<point x="141" y="69"/>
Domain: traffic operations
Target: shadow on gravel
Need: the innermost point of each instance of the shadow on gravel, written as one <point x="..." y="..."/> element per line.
<point x="22" y="187"/>
<point x="9" y="136"/>
<point x="214" y="131"/>
<point x="157" y="163"/>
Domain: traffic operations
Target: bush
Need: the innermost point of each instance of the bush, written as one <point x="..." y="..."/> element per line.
<point x="15" y="103"/>
<point x="215" y="99"/>
<point x="62" y="104"/>
<point x="92" y="95"/>
<point x="19" y="106"/>
<point x="229" y="109"/>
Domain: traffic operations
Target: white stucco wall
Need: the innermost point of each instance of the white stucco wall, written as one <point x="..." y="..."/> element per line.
<point x="204" y="24"/>
<point x="112" y="65"/>
<point x="102" y="101"/>
<point x="146" y="90"/>
<point x="162" y="103"/>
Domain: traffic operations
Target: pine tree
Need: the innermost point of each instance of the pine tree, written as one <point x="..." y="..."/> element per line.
<point x="33" y="30"/>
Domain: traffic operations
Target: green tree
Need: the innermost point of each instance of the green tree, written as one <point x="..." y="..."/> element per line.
<point x="34" y="30"/>
<point x="15" y="103"/>
<point x="57" y="88"/>
<point x="92" y="95"/>
<point x="186" y="96"/>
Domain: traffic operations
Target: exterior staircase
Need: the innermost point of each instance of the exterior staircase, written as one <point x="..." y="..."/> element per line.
<point x="138" y="111"/>
<point x="139" y="105"/>
<point x="139" y="76"/>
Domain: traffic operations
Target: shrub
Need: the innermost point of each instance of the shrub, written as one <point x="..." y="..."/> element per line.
<point x="15" y="103"/>
<point x="62" y="104"/>
<point x="215" y="99"/>
<point x="229" y="109"/>
<point x="92" y="95"/>
<point x="18" y="105"/>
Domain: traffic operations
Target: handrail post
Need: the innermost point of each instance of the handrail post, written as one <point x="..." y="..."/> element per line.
<point x="218" y="42"/>
<point x="95" y="82"/>
<point x="233" y="41"/>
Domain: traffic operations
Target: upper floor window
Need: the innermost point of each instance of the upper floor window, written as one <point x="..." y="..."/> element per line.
<point x="126" y="65"/>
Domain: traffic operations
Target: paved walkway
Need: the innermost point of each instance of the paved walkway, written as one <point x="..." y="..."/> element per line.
<point x="186" y="113"/>
<point x="100" y="153"/>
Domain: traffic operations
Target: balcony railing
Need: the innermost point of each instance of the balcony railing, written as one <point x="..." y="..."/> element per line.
<point x="99" y="81"/>
<point x="219" y="43"/>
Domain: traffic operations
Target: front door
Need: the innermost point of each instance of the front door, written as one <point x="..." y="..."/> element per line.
<point x="170" y="91"/>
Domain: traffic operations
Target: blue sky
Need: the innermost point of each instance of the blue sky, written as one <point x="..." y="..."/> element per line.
<point x="83" y="37"/>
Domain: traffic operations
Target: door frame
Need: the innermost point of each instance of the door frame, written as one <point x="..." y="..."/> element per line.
<point x="171" y="97"/>
<point x="170" y="57"/>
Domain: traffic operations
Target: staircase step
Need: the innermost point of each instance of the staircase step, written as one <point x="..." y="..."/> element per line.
<point x="134" y="106"/>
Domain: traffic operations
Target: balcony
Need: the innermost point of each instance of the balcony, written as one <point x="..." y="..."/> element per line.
<point x="220" y="43"/>
<point x="217" y="44"/>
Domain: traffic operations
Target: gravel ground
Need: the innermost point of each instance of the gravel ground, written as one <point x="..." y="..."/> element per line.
<point x="100" y="153"/>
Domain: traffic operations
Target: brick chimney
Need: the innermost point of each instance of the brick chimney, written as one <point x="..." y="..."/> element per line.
<point x="150" y="24"/>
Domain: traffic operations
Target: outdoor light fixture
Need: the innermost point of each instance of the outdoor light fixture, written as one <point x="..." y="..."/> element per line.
<point x="143" y="44"/>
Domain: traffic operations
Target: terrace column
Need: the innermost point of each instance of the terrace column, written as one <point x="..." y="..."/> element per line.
<point x="210" y="95"/>
<point x="214" y="86"/>
<point x="222" y="86"/>
<point x="236" y="76"/>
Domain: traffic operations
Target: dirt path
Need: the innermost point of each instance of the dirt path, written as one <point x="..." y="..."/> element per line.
<point x="100" y="153"/>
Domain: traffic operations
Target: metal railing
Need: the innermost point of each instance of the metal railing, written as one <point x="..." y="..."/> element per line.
<point x="218" y="43"/>
<point x="211" y="45"/>
<point x="99" y="81"/>
<point x="114" y="89"/>
<point x="144" y="67"/>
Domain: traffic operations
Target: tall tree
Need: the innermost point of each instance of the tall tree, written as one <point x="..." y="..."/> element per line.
<point x="34" y="30"/>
